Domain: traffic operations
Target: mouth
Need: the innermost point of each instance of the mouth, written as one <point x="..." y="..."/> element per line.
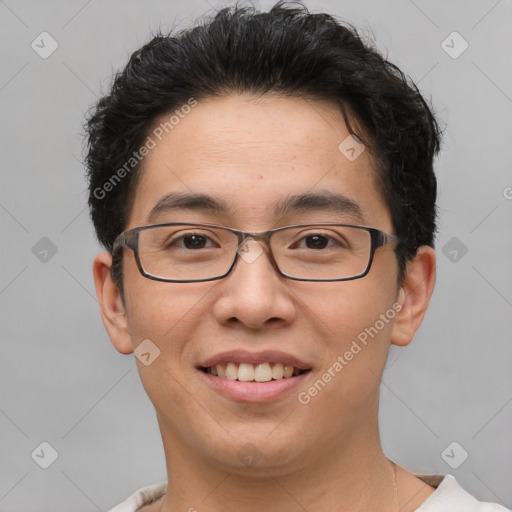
<point x="247" y="372"/>
<point x="254" y="377"/>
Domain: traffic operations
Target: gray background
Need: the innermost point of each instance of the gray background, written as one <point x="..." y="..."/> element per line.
<point x="63" y="383"/>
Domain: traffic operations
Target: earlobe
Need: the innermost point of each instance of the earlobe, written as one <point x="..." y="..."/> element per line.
<point x="113" y="311"/>
<point x="414" y="295"/>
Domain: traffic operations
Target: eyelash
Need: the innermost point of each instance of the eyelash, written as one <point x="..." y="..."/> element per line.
<point x="303" y="238"/>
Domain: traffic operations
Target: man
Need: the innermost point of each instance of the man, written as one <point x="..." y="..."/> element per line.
<point x="264" y="187"/>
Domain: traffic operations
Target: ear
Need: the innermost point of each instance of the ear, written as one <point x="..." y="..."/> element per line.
<point x="113" y="311"/>
<point x="414" y="295"/>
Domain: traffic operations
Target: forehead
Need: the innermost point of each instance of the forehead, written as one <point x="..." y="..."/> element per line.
<point x="255" y="154"/>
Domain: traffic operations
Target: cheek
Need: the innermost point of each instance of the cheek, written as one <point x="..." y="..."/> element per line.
<point x="166" y="313"/>
<point x="343" y="310"/>
<point x="169" y="315"/>
<point x="353" y="321"/>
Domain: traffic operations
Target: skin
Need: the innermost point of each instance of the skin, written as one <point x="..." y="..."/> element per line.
<point x="326" y="455"/>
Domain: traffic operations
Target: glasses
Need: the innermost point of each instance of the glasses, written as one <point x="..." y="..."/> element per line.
<point x="188" y="253"/>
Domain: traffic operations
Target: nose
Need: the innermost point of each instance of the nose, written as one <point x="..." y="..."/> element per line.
<point x="254" y="294"/>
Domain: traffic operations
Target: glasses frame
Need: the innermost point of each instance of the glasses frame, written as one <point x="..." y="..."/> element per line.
<point x="130" y="239"/>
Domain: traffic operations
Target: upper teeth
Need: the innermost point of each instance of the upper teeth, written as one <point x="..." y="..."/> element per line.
<point x="246" y="372"/>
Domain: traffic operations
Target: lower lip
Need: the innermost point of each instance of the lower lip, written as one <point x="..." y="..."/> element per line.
<point x="254" y="391"/>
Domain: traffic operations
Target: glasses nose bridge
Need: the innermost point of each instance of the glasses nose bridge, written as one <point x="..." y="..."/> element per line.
<point x="263" y="236"/>
<point x="245" y="236"/>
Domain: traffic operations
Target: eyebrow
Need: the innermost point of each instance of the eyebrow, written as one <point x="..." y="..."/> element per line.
<point x="323" y="200"/>
<point x="179" y="201"/>
<point x="310" y="201"/>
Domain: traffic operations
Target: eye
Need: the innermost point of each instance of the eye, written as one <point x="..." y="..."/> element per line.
<point x="320" y="241"/>
<point x="316" y="242"/>
<point x="190" y="241"/>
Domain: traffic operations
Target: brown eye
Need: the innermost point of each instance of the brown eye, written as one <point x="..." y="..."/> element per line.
<point x="316" y="242"/>
<point x="194" y="241"/>
<point x="190" y="241"/>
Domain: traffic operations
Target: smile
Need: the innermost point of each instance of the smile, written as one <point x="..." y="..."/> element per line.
<point x="247" y="372"/>
<point x="246" y="376"/>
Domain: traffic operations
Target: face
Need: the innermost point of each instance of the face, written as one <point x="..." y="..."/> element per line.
<point x="252" y="154"/>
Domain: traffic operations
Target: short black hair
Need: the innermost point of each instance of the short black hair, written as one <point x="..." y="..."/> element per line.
<point x="287" y="51"/>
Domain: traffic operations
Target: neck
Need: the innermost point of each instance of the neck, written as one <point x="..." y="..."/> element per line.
<point x="353" y="476"/>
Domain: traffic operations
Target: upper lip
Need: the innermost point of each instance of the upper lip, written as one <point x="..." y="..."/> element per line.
<point x="244" y="356"/>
